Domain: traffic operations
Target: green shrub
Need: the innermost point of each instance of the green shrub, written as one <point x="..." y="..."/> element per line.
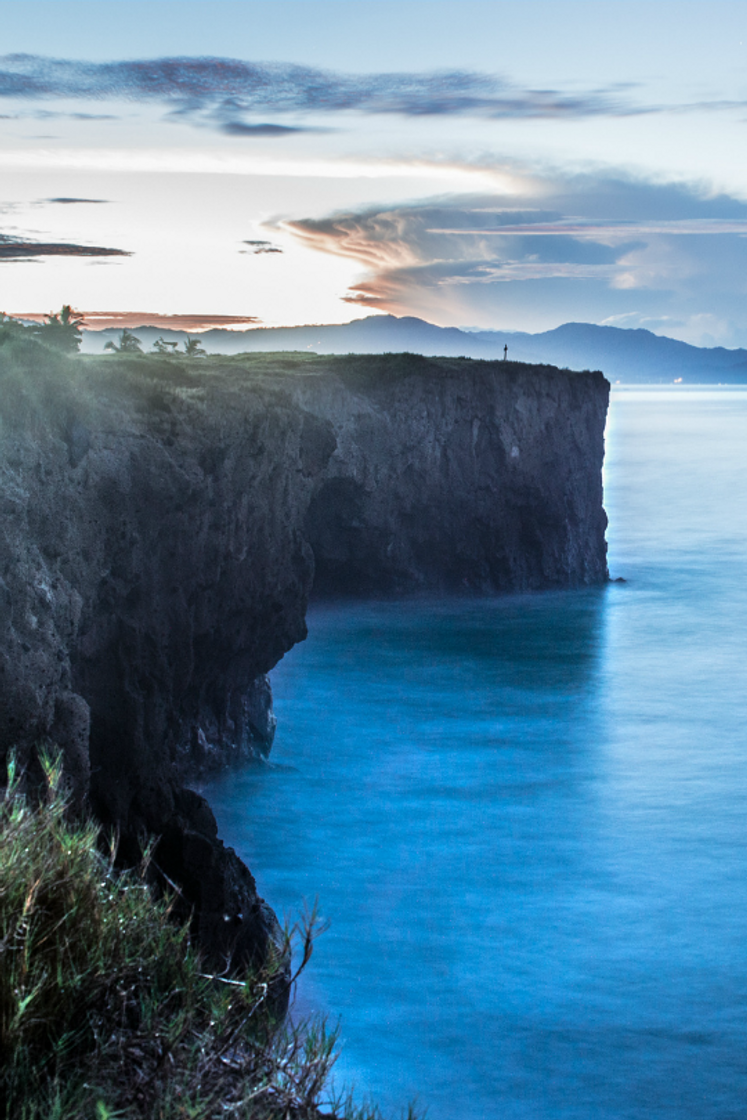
<point x="104" y="1008"/>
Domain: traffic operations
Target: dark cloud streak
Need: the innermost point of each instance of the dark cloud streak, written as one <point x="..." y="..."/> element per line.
<point x="232" y="87"/>
<point x="258" y="247"/>
<point x="219" y="92"/>
<point x="238" y="128"/>
<point x="21" y="249"/>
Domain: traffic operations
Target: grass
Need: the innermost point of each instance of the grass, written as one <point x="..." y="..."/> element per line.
<point x="105" y="1010"/>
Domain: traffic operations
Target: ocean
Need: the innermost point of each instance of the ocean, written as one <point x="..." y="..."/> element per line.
<point x="525" y="818"/>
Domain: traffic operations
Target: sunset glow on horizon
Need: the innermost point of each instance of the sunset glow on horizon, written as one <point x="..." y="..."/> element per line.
<point x="507" y="165"/>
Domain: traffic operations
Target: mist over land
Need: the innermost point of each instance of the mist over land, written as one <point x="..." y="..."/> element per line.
<point x="628" y="356"/>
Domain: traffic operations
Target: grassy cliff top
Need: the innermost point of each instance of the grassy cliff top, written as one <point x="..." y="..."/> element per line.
<point x="33" y="373"/>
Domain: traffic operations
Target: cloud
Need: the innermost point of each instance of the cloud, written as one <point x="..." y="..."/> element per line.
<point x="259" y="247"/>
<point x="237" y="128"/>
<point x="76" y="201"/>
<point x="23" y="249"/>
<point x="50" y="114"/>
<point x="220" y="92"/>
<point x="103" y="320"/>
<point x="595" y="247"/>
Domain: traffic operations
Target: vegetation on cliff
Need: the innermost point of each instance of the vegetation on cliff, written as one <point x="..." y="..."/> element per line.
<point x="164" y="520"/>
<point x="105" y="1008"/>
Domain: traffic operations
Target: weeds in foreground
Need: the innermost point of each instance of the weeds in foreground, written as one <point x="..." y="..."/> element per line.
<point x="105" y="1011"/>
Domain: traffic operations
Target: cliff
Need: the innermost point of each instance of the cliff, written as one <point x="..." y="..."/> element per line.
<point x="163" y="524"/>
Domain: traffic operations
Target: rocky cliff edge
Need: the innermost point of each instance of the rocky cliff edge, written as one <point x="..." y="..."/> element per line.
<point x="164" y="523"/>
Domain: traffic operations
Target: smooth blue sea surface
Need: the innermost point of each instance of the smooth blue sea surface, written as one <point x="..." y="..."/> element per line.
<point x="526" y="818"/>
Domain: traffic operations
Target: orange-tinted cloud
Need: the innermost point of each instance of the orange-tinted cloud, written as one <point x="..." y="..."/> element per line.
<point x="104" y="320"/>
<point x="578" y="247"/>
<point x="379" y="240"/>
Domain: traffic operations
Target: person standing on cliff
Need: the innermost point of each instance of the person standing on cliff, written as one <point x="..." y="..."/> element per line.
<point x="505" y="352"/>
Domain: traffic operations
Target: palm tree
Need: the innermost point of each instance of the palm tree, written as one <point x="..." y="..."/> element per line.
<point x="193" y="349"/>
<point x="62" y="330"/>
<point x="128" y="344"/>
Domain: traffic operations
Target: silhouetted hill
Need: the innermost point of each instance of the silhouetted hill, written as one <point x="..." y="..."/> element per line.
<point x="623" y="355"/>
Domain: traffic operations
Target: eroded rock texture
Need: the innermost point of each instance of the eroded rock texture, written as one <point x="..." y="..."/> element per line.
<point x="160" y="528"/>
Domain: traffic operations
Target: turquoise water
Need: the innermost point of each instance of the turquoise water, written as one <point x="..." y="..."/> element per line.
<point x="525" y="818"/>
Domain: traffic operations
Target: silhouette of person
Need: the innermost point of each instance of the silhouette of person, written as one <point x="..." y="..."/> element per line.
<point x="505" y="352"/>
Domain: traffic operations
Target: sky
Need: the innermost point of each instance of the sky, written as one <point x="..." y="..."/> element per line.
<point x="492" y="164"/>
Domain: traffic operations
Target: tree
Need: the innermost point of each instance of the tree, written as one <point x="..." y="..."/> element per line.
<point x="193" y="349"/>
<point x="161" y="346"/>
<point x="128" y="344"/>
<point x="62" y="330"/>
<point x="11" y="329"/>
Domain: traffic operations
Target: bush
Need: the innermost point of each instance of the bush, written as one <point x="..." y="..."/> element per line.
<point x="104" y="1008"/>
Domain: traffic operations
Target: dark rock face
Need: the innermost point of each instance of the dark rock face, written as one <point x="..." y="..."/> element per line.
<point x="160" y="526"/>
<point x="457" y="476"/>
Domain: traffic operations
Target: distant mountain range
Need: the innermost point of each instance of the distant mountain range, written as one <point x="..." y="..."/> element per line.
<point x="627" y="356"/>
